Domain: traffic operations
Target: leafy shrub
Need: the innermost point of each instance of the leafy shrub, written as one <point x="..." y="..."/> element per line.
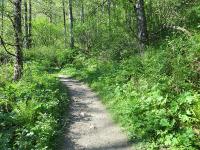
<point x="50" y="58"/>
<point x="154" y="96"/>
<point x="30" y="111"/>
<point x="45" y="33"/>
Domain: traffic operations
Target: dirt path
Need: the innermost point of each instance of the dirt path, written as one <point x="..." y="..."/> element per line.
<point x="90" y="127"/>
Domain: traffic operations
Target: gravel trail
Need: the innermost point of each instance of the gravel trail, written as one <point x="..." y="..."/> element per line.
<point x="90" y="126"/>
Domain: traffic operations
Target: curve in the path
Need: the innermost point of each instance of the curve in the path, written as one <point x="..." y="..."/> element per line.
<point x="90" y="126"/>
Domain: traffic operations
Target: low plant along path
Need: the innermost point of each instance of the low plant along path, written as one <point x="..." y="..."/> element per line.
<point x="90" y="126"/>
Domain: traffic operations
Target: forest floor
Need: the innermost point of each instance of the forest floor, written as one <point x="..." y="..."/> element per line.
<point x="90" y="125"/>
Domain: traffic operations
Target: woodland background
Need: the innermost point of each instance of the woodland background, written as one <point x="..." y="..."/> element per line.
<point x="141" y="56"/>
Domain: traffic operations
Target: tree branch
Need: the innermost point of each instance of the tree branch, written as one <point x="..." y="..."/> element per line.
<point x="172" y="27"/>
<point x="4" y="46"/>
<point x="179" y="29"/>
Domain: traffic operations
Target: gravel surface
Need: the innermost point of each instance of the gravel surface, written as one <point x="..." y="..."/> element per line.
<point x="90" y="127"/>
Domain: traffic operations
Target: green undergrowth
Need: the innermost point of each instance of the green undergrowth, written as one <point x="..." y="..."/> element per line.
<point x="50" y="58"/>
<point x="31" y="110"/>
<point x="155" y="97"/>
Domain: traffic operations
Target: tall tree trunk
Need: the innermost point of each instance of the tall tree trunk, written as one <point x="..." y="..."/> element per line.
<point x="26" y="23"/>
<point x="65" y="27"/>
<point x="18" y="68"/>
<point x="71" y="25"/>
<point x="142" y="33"/>
<point x="30" y="25"/>
<point x="109" y="18"/>
<point x="2" y="17"/>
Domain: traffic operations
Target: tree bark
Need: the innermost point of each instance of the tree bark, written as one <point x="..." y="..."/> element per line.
<point x="142" y="33"/>
<point x="2" y="17"/>
<point x="30" y="25"/>
<point x="71" y="25"/>
<point x="64" y="21"/>
<point x="26" y="23"/>
<point x="18" y="67"/>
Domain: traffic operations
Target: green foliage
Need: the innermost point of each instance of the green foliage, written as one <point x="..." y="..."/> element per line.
<point x="5" y="73"/>
<point x="154" y="96"/>
<point x="51" y="57"/>
<point x="192" y="17"/>
<point x="30" y="111"/>
<point x="46" y="34"/>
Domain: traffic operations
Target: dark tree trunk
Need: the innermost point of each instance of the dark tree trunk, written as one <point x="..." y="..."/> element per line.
<point x="30" y="25"/>
<point x="2" y="17"/>
<point x="109" y="17"/>
<point x="65" y="26"/>
<point x="26" y="24"/>
<point x="142" y="33"/>
<point x="71" y="25"/>
<point x="18" y="68"/>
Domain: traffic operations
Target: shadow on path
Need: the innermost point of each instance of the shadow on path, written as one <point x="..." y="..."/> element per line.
<point x="90" y="127"/>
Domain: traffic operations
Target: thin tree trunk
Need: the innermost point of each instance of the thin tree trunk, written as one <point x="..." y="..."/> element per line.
<point x="71" y="25"/>
<point x="2" y="18"/>
<point x="26" y="23"/>
<point x="18" y="68"/>
<point x="30" y="25"/>
<point x="65" y="26"/>
<point x="109" y="18"/>
<point x="142" y="33"/>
